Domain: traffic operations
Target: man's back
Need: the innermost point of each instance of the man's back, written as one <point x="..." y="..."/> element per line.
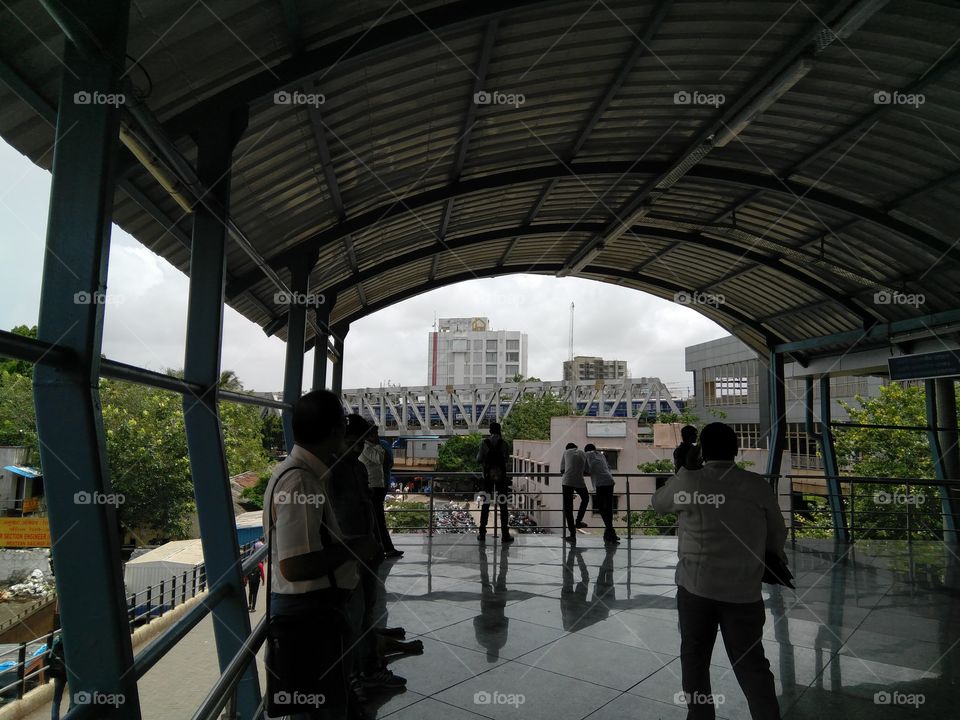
<point x="728" y="519"/>
<point x="572" y="466"/>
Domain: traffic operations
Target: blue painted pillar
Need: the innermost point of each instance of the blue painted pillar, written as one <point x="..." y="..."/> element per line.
<point x="296" y="334"/>
<point x="208" y="462"/>
<point x="322" y="311"/>
<point x="830" y="467"/>
<point x="81" y="507"/>
<point x="941" y="404"/>
<point x="778" y="422"/>
<point x="339" y="336"/>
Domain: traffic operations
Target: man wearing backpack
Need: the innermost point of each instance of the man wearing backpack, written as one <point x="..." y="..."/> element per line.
<point x="493" y="456"/>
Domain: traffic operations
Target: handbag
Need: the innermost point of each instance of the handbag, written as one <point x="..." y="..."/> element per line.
<point x="775" y="570"/>
<point x="304" y="653"/>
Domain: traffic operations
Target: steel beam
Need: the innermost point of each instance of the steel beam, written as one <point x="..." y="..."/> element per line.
<point x="941" y="412"/>
<point x="321" y="340"/>
<point x="776" y="420"/>
<point x="296" y="334"/>
<point x="831" y="468"/>
<point x="81" y="506"/>
<point x="339" y="337"/>
<point x="208" y="461"/>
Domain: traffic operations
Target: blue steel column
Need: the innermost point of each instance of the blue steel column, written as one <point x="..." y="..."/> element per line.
<point x="830" y="469"/>
<point x="322" y="313"/>
<point x="86" y="546"/>
<point x="339" y="336"/>
<point x="208" y="461"/>
<point x="296" y="334"/>
<point x="935" y="416"/>
<point x="778" y="420"/>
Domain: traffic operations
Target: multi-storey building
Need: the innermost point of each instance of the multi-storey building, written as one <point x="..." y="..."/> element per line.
<point x="465" y="351"/>
<point x="584" y="368"/>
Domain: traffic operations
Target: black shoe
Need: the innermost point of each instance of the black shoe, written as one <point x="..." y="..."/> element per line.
<point x="393" y="554"/>
<point x="393" y="632"/>
<point x="570" y="539"/>
<point x="581" y="524"/>
<point x="481" y="537"/>
<point x="507" y="539"/>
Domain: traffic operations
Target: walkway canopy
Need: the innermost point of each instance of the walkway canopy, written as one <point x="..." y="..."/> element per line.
<point x="788" y="169"/>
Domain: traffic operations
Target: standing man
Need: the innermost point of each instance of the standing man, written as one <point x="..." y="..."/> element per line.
<point x="312" y="570"/>
<point x="572" y="466"/>
<point x="493" y="456"/>
<point x="728" y="520"/>
<point x="253" y="580"/>
<point x="602" y="480"/>
<point x="372" y="458"/>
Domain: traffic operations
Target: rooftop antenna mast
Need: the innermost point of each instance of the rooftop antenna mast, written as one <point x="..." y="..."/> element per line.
<point x="571" y="331"/>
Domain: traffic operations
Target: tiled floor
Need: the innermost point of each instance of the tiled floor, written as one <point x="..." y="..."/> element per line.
<point x="535" y="630"/>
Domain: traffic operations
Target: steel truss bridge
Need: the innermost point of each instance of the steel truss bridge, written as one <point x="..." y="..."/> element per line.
<point x="462" y="409"/>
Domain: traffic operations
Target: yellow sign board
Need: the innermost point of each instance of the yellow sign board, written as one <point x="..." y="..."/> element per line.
<point x="24" y="532"/>
<point x="31" y="504"/>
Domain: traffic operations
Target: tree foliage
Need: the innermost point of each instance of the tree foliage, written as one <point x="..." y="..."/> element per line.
<point x="19" y="367"/>
<point x="529" y="419"/>
<point x="459" y="453"/>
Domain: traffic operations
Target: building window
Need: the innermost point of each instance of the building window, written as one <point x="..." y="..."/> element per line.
<point x="730" y="384"/>
<point x="612" y="456"/>
<point x="513" y="344"/>
<point x="513" y="357"/>
<point x="491" y="357"/>
<point x="491" y="370"/>
<point x="491" y="345"/>
<point x="512" y="370"/>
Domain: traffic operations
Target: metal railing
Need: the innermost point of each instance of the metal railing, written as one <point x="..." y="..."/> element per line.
<point x="27" y="665"/>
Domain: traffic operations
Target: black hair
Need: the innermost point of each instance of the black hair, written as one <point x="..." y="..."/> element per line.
<point x="718" y="441"/>
<point x="495" y="428"/>
<point x="316" y="416"/>
<point x="571" y="446"/>
<point x="688" y="433"/>
<point x="357" y="426"/>
<point x="589" y="447"/>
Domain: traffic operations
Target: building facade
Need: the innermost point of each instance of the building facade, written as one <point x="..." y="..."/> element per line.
<point x="584" y="368"/>
<point x="465" y="351"/>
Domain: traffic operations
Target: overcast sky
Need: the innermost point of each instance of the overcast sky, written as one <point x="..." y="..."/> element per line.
<point x="146" y="313"/>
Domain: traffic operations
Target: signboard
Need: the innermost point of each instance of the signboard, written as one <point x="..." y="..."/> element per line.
<point x="944" y="363"/>
<point x="601" y="429"/>
<point x="31" y="505"/>
<point x="24" y="532"/>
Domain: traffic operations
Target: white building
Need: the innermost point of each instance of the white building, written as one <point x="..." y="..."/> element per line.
<point x="465" y="351"/>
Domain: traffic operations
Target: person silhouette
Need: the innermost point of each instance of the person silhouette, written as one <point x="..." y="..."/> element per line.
<point x="491" y="625"/>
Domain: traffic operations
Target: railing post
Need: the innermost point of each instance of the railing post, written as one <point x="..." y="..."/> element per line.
<point x="183" y="588"/>
<point x="149" y="603"/>
<point x="629" y="518"/>
<point x="132" y="613"/>
<point x="433" y="487"/>
<point x="853" y="505"/>
<point x="163" y="598"/>
<point x="21" y="670"/>
<point x="908" y="504"/>
<point x="173" y="592"/>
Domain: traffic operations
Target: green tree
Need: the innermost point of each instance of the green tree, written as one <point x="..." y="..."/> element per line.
<point x="254" y="494"/>
<point x="271" y="432"/>
<point x="663" y="465"/>
<point x="529" y="419"/>
<point x="18" y="422"/>
<point x="459" y="453"/>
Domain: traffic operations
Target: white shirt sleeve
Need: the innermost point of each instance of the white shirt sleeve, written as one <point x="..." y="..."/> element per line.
<point x="299" y="505"/>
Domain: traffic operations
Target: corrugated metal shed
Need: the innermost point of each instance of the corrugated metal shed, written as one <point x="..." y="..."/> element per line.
<point x="837" y="195"/>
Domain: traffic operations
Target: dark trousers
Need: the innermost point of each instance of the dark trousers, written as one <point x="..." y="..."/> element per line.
<point x="604" y="504"/>
<point x="568" y="492"/>
<point x="254" y="588"/>
<point x="741" y="625"/>
<point x="58" y="684"/>
<point x="499" y="492"/>
<point x="379" y="493"/>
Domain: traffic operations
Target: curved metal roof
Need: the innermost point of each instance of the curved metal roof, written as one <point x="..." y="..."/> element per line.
<point x="780" y="162"/>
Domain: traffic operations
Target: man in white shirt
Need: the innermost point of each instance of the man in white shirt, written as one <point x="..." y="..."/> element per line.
<point x="602" y="479"/>
<point x="313" y="569"/>
<point x="728" y="520"/>
<point x="572" y="465"/>
<point x="372" y="458"/>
